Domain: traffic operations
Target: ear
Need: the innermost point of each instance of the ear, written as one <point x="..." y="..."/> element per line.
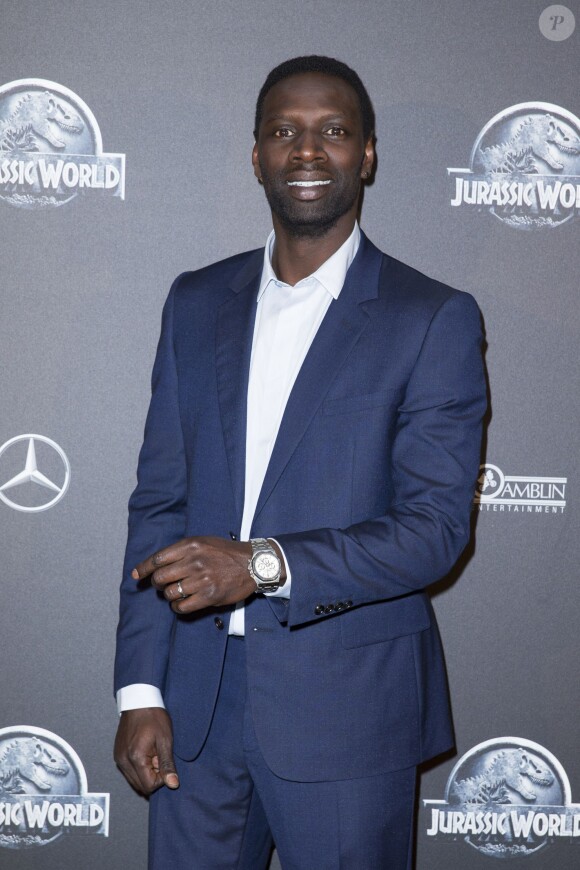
<point x="369" y="157"/>
<point x="256" y="162"/>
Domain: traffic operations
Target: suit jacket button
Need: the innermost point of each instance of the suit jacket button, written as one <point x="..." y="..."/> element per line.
<point x="339" y="605"/>
<point x="329" y="608"/>
<point x="348" y="603"/>
<point x="319" y="609"/>
<point x="219" y="623"/>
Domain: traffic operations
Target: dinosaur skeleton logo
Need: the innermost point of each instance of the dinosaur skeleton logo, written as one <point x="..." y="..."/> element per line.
<point x="513" y="493"/>
<point x="44" y="791"/>
<point x="524" y="167"/>
<point x="506" y="797"/>
<point x="51" y="147"/>
<point x="30" y="482"/>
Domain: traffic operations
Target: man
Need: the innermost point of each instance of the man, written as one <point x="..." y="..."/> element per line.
<point x="324" y="401"/>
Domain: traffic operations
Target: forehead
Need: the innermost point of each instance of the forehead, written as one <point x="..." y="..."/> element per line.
<point x="307" y="92"/>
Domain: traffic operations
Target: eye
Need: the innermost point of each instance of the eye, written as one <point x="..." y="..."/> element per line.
<point x="283" y="132"/>
<point x="336" y="131"/>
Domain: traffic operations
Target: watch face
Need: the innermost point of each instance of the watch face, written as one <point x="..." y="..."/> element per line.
<point x="266" y="566"/>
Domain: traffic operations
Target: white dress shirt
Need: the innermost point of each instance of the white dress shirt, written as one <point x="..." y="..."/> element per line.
<point x="287" y="319"/>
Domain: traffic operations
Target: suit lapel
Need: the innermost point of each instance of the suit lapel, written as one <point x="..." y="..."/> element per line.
<point x="338" y="333"/>
<point x="234" y="332"/>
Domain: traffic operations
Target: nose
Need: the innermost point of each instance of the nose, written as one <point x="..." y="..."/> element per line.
<point x="308" y="147"/>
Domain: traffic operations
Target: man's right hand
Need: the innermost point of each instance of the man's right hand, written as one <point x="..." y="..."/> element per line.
<point x="144" y="749"/>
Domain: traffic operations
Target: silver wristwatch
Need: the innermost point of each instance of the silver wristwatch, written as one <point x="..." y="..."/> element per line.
<point x="265" y="567"/>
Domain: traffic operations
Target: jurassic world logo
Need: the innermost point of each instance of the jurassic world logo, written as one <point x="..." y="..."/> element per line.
<point x="510" y="493"/>
<point x="43" y="790"/>
<point x="524" y="168"/>
<point x="506" y="798"/>
<point x="51" y="148"/>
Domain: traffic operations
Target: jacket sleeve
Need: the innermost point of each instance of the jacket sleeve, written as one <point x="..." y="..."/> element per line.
<point x="434" y="465"/>
<point x="157" y="510"/>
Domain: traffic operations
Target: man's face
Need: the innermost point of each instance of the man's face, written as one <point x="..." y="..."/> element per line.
<point x="310" y="153"/>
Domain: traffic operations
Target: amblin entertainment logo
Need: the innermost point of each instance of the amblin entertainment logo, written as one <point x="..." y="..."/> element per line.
<point x="524" y="168"/>
<point x="511" y="493"/>
<point x="51" y="147"/>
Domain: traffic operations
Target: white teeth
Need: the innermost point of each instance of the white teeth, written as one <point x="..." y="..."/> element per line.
<point x="307" y="183"/>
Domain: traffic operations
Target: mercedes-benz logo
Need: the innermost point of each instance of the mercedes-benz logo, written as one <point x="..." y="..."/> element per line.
<point x="31" y="474"/>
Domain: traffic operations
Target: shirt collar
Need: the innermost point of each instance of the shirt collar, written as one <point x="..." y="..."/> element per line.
<point x="331" y="274"/>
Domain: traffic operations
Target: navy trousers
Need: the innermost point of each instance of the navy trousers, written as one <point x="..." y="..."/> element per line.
<point x="230" y="807"/>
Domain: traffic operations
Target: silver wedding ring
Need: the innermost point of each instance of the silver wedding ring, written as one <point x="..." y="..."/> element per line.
<point x="180" y="589"/>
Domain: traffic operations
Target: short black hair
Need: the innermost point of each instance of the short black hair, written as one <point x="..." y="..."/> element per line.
<point x="314" y="63"/>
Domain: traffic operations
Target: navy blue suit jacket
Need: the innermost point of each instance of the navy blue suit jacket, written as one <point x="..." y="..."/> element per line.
<point x="368" y="491"/>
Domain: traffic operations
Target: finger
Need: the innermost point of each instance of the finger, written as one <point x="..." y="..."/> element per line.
<point x="123" y="762"/>
<point x="130" y="776"/>
<point x="163" y="557"/>
<point x="181" y="570"/>
<point x="148" y="566"/>
<point x="148" y="778"/>
<point x="142" y="779"/>
<point x="194" y="601"/>
<point x="157" y="560"/>
<point x="177" y="591"/>
<point x="167" y="770"/>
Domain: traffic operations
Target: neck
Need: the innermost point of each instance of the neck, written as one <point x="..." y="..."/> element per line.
<point x="295" y="257"/>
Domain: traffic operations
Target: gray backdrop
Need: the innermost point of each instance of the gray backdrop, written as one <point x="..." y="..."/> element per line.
<point x="172" y="85"/>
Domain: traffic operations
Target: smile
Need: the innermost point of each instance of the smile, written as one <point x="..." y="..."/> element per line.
<point x="308" y="183"/>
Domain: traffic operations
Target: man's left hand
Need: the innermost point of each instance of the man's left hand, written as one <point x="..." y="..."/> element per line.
<point x="200" y="572"/>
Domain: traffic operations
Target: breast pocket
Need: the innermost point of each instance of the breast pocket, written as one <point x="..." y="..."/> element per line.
<point x="385" y="620"/>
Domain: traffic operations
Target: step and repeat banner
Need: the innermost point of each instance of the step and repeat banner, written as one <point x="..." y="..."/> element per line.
<point x="125" y="139"/>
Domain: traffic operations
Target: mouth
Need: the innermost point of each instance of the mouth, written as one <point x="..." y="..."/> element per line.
<point x="308" y="183"/>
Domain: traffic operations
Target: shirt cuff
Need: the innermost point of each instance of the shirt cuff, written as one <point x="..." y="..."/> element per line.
<point x="138" y="695"/>
<point x="282" y="591"/>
